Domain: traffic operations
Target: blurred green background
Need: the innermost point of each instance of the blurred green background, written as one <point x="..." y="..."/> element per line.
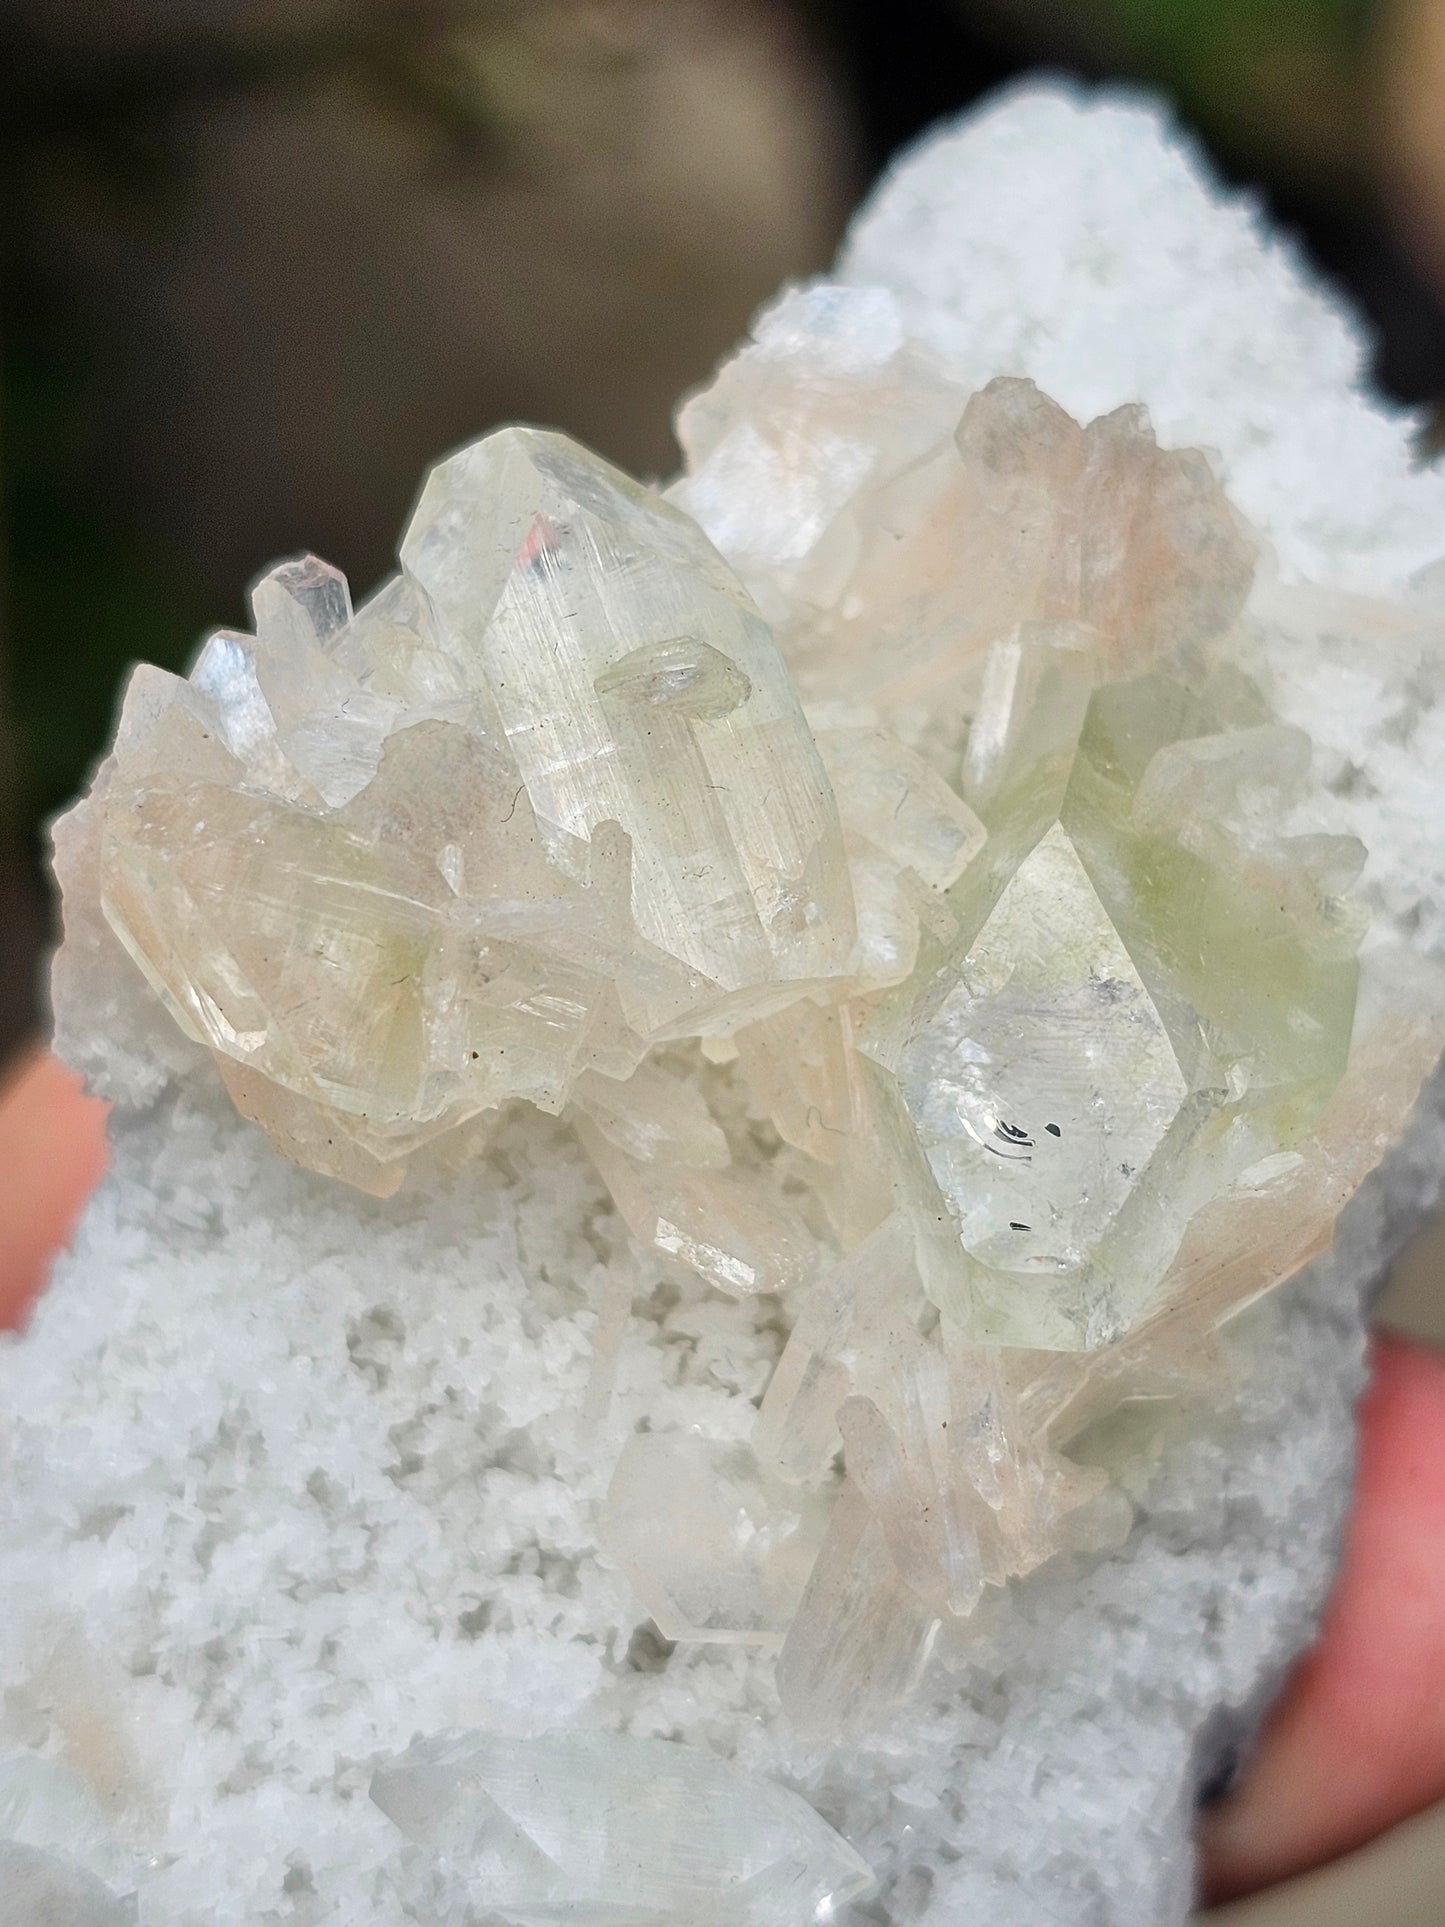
<point x="263" y="261"/>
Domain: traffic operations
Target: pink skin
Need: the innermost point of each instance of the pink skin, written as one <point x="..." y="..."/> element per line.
<point x="1356" y="1741"/>
<point x="52" y="1156"/>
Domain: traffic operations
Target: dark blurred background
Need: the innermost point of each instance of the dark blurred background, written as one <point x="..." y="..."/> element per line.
<point x="264" y="259"/>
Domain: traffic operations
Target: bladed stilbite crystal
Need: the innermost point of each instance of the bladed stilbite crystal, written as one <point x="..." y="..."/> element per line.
<point x="861" y="1637"/>
<point x="546" y="797"/>
<point x="594" y="1828"/>
<point x="988" y="1018"/>
<point x="911" y="524"/>
<point x="715" y="1548"/>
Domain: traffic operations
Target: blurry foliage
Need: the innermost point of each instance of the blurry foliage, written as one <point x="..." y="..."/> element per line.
<point x="85" y="592"/>
<point x="1276" y="83"/>
<point x="469" y="69"/>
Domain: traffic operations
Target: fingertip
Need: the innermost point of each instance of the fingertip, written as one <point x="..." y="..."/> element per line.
<point x="52" y="1156"/>
<point x="1356" y="1742"/>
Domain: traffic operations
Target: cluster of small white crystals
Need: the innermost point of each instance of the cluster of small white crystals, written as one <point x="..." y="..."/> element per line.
<point x="935" y="940"/>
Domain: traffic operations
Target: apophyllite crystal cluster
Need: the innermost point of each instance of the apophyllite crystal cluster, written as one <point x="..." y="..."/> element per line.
<point x="906" y="918"/>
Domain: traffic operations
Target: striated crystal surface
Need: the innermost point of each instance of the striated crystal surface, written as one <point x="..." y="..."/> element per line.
<point x="669" y="1169"/>
<point x="546" y="797"/>
<point x="635" y="683"/>
<point x="861" y="1638"/>
<point x="1147" y="989"/>
<point x="593" y="1827"/>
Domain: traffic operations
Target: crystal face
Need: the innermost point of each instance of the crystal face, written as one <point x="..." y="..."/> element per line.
<point x="593" y="1828"/>
<point x="44" y="1890"/>
<point x="927" y="931"/>
<point x="715" y="1549"/>
<point x="1045" y="1019"/>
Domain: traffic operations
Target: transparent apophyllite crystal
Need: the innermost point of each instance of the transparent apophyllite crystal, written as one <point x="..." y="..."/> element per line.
<point x="595" y="1828"/>
<point x="546" y="798"/>
<point x="1146" y="989"/>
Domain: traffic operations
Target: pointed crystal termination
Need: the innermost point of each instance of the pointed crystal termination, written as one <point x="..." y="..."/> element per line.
<point x="666" y="1163"/>
<point x="594" y="1828"/>
<point x="1044" y="1081"/>
<point x="861" y="1637"/>
<point x="963" y="1493"/>
<point x="548" y="797"/>
<point x="636" y="683"/>
<point x="985" y="1016"/>
<point x="716" y="1549"/>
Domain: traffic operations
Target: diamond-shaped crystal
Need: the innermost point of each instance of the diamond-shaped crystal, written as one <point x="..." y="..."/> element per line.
<point x="1144" y="989"/>
<point x="1044" y="1079"/>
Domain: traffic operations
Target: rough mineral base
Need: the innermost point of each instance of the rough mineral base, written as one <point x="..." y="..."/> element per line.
<point x="893" y="859"/>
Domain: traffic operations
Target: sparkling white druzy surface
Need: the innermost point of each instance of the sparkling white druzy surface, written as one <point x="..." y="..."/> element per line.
<point x="292" y="1478"/>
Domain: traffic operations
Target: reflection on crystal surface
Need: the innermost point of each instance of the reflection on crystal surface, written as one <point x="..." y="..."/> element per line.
<point x="636" y="684"/>
<point x="1134" y="1002"/>
<point x="596" y="1828"/>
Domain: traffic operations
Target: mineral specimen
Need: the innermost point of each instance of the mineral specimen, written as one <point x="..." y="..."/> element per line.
<point x="896" y="860"/>
<point x="942" y="1012"/>
<point x="56" y="1853"/>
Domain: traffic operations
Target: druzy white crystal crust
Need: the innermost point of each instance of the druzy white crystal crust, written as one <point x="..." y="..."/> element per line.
<point x="348" y="1472"/>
